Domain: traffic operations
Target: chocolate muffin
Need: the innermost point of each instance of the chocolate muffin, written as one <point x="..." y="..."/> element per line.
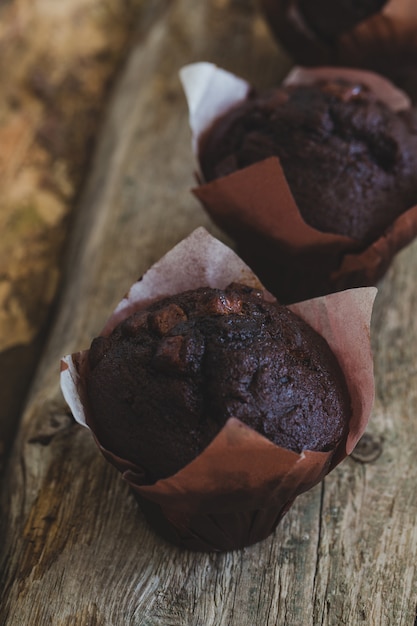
<point x="378" y="35"/>
<point x="349" y="160"/>
<point x="329" y="18"/>
<point x="165" y="381"/>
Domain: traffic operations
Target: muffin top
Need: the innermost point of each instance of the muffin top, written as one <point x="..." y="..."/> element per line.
<point x="166" y="380"/>
<point x="331" y="17"/>
<point x="349" y="160"/>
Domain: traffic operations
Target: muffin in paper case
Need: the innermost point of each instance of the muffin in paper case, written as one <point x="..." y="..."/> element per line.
<point x="220" y="501"/>
<point x="319" y="32"/>
<point x="256" y="208"/>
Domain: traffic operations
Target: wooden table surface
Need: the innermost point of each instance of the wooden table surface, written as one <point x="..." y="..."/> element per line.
<point x="76" y="550"/>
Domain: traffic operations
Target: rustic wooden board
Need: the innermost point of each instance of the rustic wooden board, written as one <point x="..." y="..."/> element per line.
<point x="75" y="548"/>
<point x="56" y="67"/>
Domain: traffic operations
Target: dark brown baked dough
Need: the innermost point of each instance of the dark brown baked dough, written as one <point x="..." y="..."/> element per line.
<point x="329" y="18"/>
<point x="163" y="384"/>
<point x="350" y="161"/>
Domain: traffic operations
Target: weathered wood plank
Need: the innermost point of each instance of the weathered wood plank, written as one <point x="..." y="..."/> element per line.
<point x="76" y="549"/>
<point x="56" y="67"/>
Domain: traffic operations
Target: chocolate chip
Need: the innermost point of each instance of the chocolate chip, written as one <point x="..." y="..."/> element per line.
<point x="223" y="305"/>
<point x="131" y="325"/>
<point x="179" y="353"/>
<point x="344" y="91"/>
<point x="169" y="354"/>
<point x="167" y="318"/>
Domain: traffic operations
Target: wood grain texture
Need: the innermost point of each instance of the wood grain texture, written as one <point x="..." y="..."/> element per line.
<point x="56" y="67"/>
<point x="75" y="547"/>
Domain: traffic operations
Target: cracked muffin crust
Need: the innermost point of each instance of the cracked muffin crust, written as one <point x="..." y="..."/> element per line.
<point x="349" y="160"/>
<point x="165" y="381"/>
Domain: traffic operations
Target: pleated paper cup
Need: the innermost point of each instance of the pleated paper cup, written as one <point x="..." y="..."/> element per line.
<point x="220" y="501"/>
<point x="256" y="208"/>
<point x="384" y="41"/>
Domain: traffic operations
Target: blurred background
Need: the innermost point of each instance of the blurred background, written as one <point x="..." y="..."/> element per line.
<point x="58" y="63"/>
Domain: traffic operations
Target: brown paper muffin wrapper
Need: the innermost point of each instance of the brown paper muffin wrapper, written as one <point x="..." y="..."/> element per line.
<point x="237" y="490"/>
<point x="385" y="42"/>
<point x="256" y="208"/>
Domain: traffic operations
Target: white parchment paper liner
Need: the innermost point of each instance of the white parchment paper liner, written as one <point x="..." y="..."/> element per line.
<point x="219" y="501"/>
<point x="256" y="208"/>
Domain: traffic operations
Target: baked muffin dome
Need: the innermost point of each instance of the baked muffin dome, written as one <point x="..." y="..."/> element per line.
<point x="330" y="17"/>
<point x="349" y="160"/>
<point x="165" y="381"/>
